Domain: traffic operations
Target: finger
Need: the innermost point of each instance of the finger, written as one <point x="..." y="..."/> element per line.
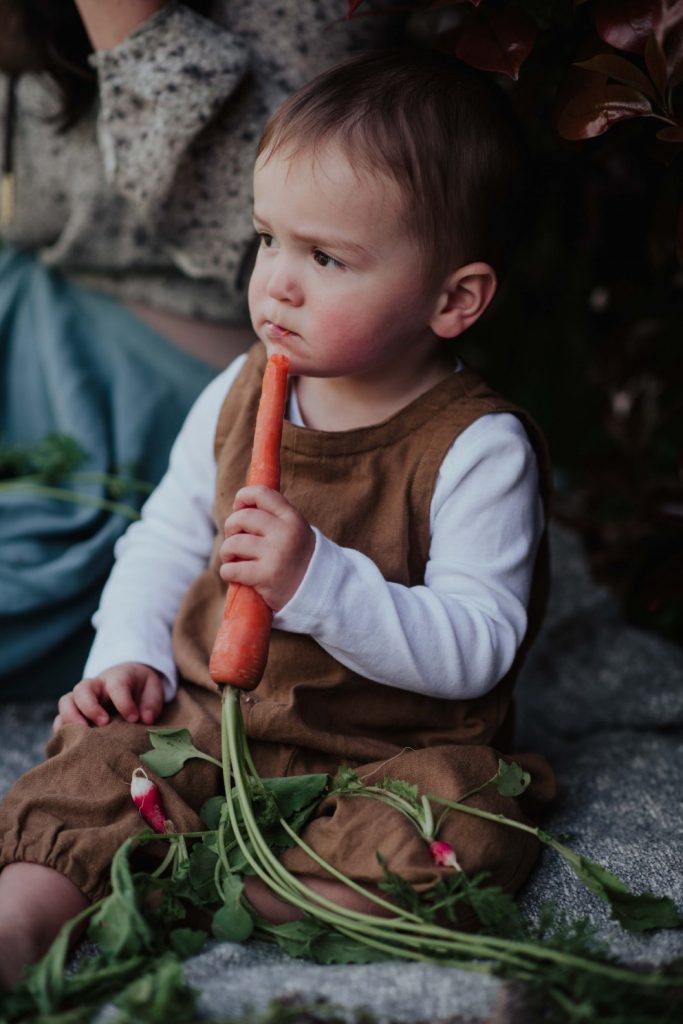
<point x="121" y="696"/>
<point x="57" y="724"/>
<point x="264" y="498"/>
<point x="69" y="713"/>
<point x="243" y="546"/>
<point x="244" y="572"/>
<point x="87" y="696"/>
<point x="248" y="520"/>
<point x="151" y="699"/>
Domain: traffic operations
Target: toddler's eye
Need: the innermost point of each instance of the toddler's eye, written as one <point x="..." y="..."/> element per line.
<point x="265" y="239"/>
<point x="324" y="260"/>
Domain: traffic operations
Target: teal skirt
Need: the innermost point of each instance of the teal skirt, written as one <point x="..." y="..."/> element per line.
<point x="73" y="362"/>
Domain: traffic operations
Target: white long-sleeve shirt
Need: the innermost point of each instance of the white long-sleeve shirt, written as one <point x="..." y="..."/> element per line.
<point x="454" y="636"/>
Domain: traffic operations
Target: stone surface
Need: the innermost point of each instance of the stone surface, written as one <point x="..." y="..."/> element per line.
<point x="235" y="979"/>
<point x="604" y="702"/>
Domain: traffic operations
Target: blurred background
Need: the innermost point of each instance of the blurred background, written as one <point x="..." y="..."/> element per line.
<point x="587" y="330"/>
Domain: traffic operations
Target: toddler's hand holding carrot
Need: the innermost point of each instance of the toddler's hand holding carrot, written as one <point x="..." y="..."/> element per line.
<point x="268" y="545"/>
<point x="136" y="691"/>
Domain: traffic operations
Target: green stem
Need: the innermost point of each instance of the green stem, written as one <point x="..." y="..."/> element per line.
<point x="364" y="927"/>
<point x="391" y="800"/>
<point x="477" y="789"/>
<point x="569" y="855"/>
<point x="106" y="479"/>
<point x="299" y="895"/>
<point x="168" y="859"/>
<point x="201" y="756"/>
<point x="427" y="820"/>
<point x="395" y="801"/>
<point x="228" y="696"/>
<point x="118" y="483"/>
<point x="258" y="869"/>
<point x="442" y="817"/>
<point x="222" y="852"/>
<point x="500" y="818"/>
<point x="282" y="882"/>
<point x="217" y="872"/>
<point x="74" y="497"/>
<point x="489" y="945"/>
<point x="340" y="876"/>
<point x="407" y="954"/>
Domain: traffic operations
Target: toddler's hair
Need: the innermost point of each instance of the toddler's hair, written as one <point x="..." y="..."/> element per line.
<point x="446" y="134"/>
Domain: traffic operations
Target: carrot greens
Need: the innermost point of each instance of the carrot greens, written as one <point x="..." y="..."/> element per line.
<point x="153" y="919"/>
<point x="50" y="469"/>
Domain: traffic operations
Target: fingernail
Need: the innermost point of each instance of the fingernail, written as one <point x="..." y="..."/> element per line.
<point x="133" y="717"/>
<point x="102" y="719"/>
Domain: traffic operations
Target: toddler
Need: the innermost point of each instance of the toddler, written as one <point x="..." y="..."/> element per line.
<point x="405" y="557"/>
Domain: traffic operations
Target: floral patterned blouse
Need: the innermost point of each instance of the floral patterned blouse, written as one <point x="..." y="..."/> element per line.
<point x="148" y="197"/>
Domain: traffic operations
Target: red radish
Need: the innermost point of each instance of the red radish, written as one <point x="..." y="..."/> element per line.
<point x="146" y="798"/>
<point x="240" y="649"/>
<point x="443" y="855"/>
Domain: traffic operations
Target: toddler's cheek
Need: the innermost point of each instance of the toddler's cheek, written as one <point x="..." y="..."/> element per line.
<point x="338" y="323"/>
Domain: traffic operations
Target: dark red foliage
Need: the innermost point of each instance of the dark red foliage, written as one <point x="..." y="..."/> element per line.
<point x="592" y="111"/>
<point x="497" y="41"/>
<point x="587" y="332"/>
<point x="626" y="24"/>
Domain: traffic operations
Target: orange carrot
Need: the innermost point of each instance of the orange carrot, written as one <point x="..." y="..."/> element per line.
<point x="240" y="650"/>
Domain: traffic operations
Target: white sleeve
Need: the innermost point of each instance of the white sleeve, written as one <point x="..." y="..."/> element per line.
<point x="457" y="634"/>
<point x="161" y="555"/>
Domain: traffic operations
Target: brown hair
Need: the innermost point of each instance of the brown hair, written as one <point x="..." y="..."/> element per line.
<point x="48" y="36"/>
<point x="445" y="134"/>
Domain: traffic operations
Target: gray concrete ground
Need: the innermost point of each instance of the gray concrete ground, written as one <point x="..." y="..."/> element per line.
<point x="604" y="702"/>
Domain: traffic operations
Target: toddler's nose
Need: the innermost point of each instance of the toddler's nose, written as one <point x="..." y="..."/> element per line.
<point x="283" y="285"/>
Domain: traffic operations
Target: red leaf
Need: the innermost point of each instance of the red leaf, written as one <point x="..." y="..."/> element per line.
<point x="626" y="24"/>
<point x="673" y="46"/>
<point x="672" y="134"/>
<point x="621" y="70"/>
<point x="498" y="42"/>
<point x="592" y="111"/>
<point x="352" y="7"/>
<point x="656" y="63"/>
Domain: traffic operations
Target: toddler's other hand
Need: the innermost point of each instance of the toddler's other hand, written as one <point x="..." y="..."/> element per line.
<point x="268" y="545"/>
<point x="136" y="692"/>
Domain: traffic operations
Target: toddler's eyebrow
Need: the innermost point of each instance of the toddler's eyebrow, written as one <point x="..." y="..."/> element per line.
<point x="327" y="242"/>
<point x="331" y="242"/>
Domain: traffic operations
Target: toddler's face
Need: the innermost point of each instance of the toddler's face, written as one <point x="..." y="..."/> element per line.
<point x="337" y="284"/>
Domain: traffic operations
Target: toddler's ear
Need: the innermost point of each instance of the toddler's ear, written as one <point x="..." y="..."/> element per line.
<point x="463" y="298"/>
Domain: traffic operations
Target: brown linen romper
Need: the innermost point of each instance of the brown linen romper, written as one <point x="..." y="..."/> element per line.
<point x="369" y="489"/>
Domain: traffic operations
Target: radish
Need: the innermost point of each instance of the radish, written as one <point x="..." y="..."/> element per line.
<point x="443" y="855"/>
<point x="147" y="799"/>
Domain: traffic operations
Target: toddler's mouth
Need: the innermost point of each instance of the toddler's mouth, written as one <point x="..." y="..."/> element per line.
<point x="277" y="331"/>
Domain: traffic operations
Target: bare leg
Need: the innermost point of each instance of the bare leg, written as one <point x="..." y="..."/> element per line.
<point x="278" y="912"/>
<point x="35" y="901"/>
